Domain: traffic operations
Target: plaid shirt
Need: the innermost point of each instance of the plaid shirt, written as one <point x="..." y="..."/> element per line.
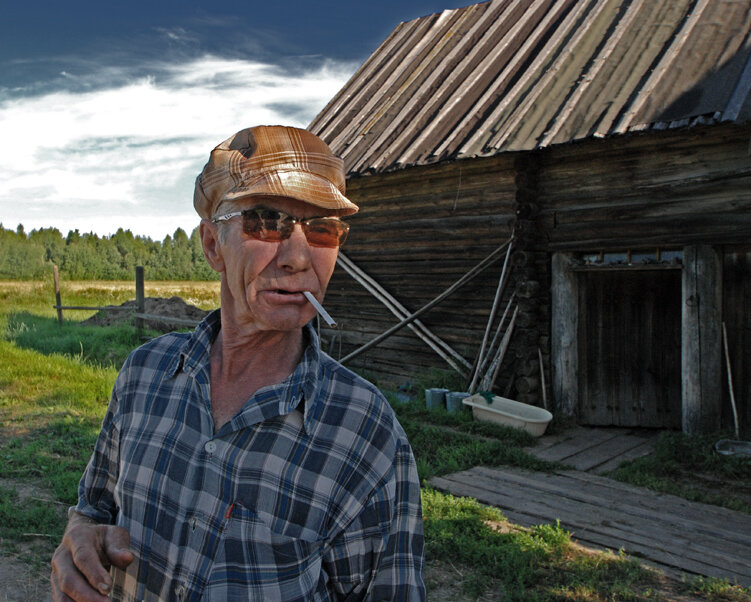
<point x="309" y="493"/>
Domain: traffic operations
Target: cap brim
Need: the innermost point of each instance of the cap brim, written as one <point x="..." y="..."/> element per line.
<point x="300" y="185"/>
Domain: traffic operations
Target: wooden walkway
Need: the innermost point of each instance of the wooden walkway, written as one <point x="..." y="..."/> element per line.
<point x="595" y="449"/>
<point x="670" y="533"/>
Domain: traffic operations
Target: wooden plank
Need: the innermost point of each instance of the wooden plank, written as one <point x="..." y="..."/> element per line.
<point x="547" y="441"/>
<point x="615" y="521"/>
<point x="168" y="319"/>
<point x="646" y="448"/>
<point x="564" y="333"/>
<point x="607" y="526"/>
<point x="604" y="452"/>
<point x="666" y="558"/>
<point x="714" y="517"/>
<point x="701" y="340"/>
<point x="102" y="308"/>
<point x="570" y="447"/>
<point x="592" y="514"/>
<point x="633" y="501"/>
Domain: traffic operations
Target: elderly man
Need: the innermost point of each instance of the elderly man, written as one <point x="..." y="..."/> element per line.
<point x="240" y="462"/>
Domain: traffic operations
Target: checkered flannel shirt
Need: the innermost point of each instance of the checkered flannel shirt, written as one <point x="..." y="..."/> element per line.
<point x="309" y="493"/>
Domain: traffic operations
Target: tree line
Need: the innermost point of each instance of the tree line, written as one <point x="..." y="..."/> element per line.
<point x="91" y="257"/>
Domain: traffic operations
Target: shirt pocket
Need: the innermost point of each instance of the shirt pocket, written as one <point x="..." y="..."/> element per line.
<point x="255" y="562"/>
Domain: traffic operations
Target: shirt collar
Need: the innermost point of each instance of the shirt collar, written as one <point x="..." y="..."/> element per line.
<point x="302" y="385"/>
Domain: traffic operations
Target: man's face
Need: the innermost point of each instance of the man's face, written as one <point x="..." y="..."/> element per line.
<point x="263" y="282"/>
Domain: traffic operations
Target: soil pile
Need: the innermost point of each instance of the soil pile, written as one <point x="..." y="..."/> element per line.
<point x="173" y="307"/>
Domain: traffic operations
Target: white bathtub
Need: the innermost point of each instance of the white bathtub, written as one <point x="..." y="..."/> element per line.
<point x="532" y="419"/>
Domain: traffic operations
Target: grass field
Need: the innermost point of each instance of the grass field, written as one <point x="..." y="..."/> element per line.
<point x="54" y="387"/>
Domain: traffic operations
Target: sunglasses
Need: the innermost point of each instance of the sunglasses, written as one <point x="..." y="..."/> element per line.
<point x="271" y="225"/>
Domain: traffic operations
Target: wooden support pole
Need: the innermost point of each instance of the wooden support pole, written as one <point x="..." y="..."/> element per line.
<point x="492" y="374"/>
<point x="452" y="357"/>
<point x="730" y="380"/>
<point x="58" y="300"/>
<point x="493" y="348"/>
<point x="473" y="273"/>
<point x="542" y="380"/>
<point x="140" y="299"/>
<point x="498" y="292"/>
<point x="701" y="341"/>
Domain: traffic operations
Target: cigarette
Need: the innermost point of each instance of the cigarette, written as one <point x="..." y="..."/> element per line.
<point x="319" y="308"/>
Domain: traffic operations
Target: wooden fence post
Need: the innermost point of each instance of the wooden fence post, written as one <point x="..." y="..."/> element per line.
<point x="140" y="299"/>
<point x="57" y="295"/>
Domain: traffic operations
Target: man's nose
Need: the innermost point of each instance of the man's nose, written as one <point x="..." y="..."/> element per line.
<point x="294" y="252"/>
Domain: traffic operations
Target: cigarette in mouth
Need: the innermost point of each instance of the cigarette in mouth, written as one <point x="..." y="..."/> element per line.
<point x="319" y="308"/>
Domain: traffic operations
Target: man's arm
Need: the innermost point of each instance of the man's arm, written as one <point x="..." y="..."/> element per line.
<point x="91" y="543"/>
<point x="380" y="556"/>
<point x="80" y="565"/>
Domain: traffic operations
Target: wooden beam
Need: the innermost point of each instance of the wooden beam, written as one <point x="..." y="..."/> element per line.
<point x="433" y="341"/>
<point x="564" y="334"/>
<point x="701" y="357"/>
<point x="473" y="273"/>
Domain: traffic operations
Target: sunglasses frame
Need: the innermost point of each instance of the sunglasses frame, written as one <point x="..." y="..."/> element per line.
<point x="285" y="232"/>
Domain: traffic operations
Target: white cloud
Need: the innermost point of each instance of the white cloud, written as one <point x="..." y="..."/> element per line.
<point x="127" y="155"/>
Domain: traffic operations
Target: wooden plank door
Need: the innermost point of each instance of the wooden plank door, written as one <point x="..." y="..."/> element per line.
<point x="630" y="348"/>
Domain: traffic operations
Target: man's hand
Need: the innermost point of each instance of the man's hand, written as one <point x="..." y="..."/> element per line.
<point x="80" y="565"/>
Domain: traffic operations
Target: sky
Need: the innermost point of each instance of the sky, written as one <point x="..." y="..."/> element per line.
<point x="109" y="109"/>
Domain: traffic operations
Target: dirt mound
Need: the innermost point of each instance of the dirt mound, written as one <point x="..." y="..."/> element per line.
<point x="174" y="307"/>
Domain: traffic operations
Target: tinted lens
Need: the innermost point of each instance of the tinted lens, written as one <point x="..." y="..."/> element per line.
<point x="266" y="224"/>
<point x="322" y="232"/>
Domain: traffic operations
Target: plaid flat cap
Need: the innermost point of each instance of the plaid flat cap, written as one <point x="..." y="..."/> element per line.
<point x="272" y="160"/>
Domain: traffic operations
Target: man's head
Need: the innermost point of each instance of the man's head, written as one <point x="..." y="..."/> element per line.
<point x="270" y="198"/>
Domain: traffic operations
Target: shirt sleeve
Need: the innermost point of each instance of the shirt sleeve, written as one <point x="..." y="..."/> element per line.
<point x="96" y="498"/>
<point x="380" y="556"/>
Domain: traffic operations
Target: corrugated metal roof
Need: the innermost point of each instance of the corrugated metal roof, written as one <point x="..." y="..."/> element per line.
<point x="515" y="75"/>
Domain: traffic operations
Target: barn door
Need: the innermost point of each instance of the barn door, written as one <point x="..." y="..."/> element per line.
<point x="630" y="348"/>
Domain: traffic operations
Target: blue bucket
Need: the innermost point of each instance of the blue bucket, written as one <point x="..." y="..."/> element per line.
<point x="435" y="398"/>
<point x="454" y="400"/>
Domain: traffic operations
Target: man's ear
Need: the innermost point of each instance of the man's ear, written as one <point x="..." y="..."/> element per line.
<point x="212" y="249"/>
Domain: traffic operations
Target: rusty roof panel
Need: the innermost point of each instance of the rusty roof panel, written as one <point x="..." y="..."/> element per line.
<point x="514" y="75"/>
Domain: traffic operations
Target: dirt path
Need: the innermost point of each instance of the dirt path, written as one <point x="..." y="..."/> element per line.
<point x="20" y="583"/>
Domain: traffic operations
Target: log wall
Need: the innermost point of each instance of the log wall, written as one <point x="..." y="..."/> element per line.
<point x="670" y="188"/>
<point x="419" y="231"/>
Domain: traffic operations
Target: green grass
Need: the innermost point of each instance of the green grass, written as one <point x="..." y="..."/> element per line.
<point x="439" y="451"/>
<point x="540" y="563"/>
<point x="51" y="407"/>
<point x="687" y="466"/>
<point x="90" y="344"/>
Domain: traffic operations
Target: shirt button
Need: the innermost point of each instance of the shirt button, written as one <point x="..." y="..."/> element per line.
<point x="210" y="447"/>
<point x="193" y="523"/>
<point x="180" y="591"/>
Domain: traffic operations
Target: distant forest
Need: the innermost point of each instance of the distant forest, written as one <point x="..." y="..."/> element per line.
<point x="90" y="257"/>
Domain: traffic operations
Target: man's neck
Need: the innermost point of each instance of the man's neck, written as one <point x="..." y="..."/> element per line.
<point x="243" y="363"/>
<point x="271" y="353"/>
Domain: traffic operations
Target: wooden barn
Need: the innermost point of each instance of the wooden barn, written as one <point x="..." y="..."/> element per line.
<point x="594" y="153"/>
